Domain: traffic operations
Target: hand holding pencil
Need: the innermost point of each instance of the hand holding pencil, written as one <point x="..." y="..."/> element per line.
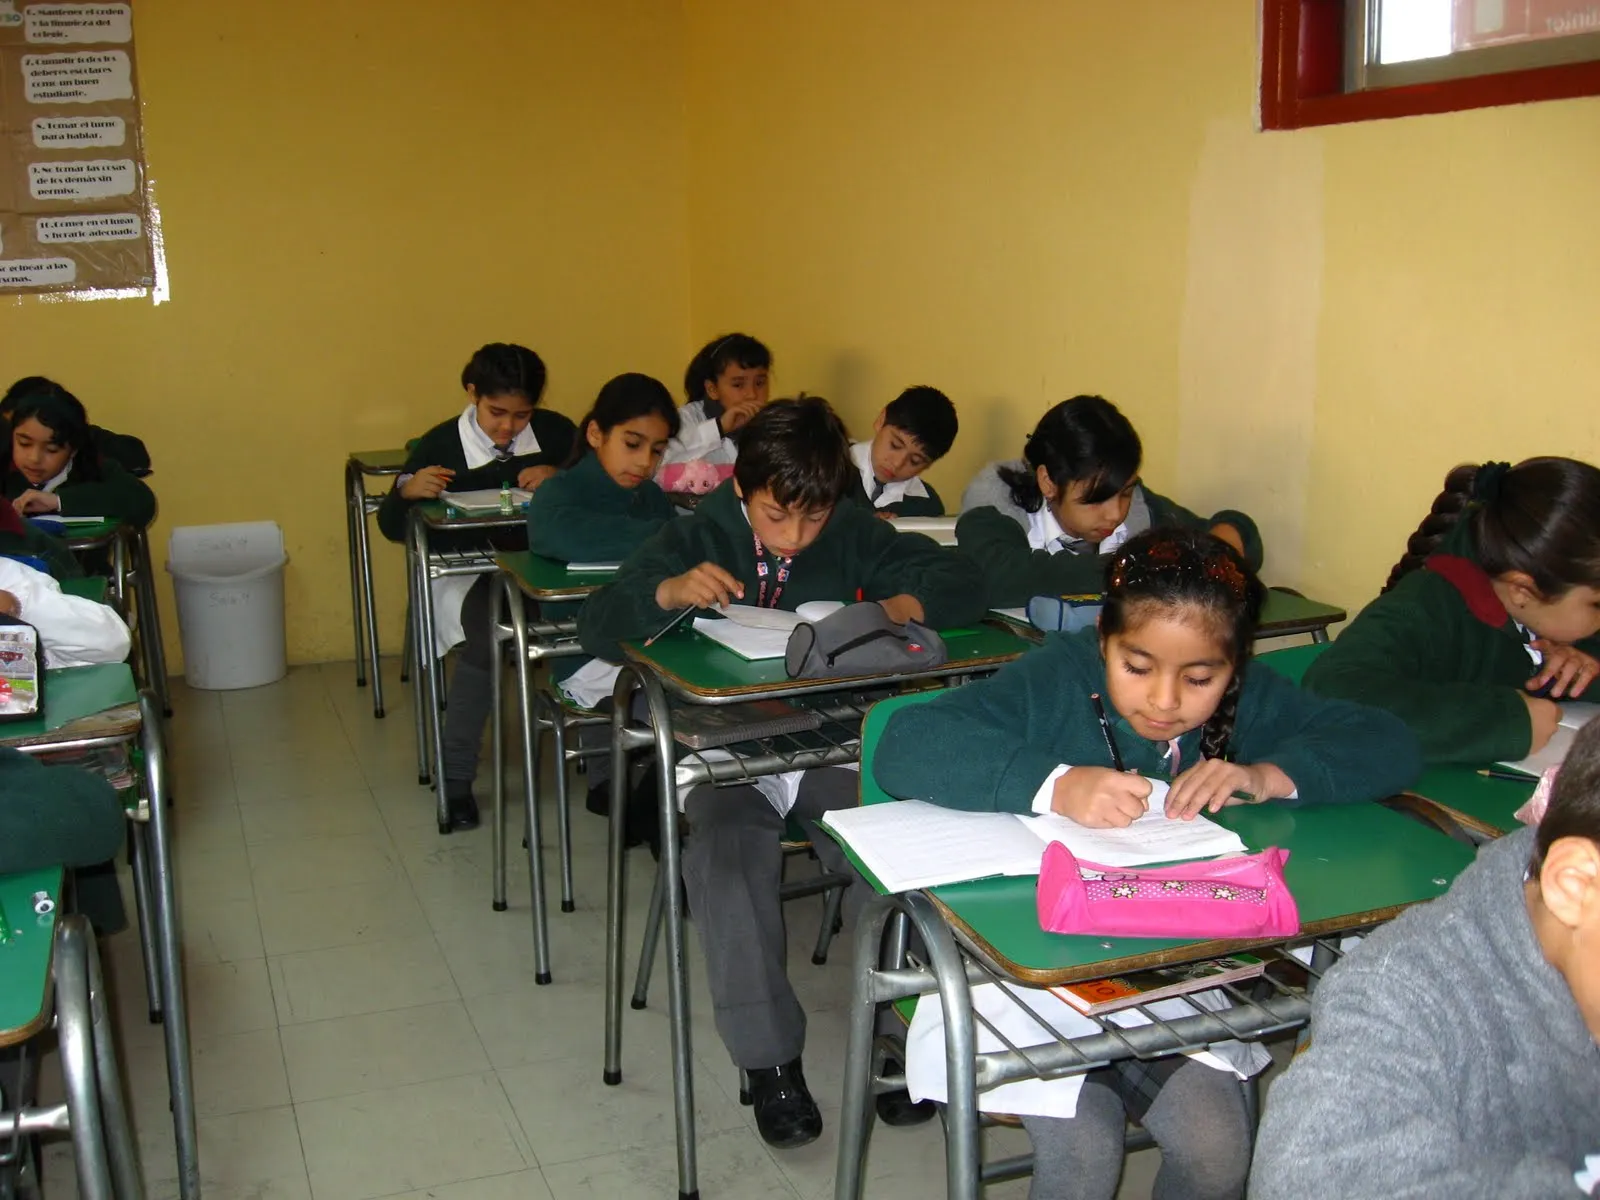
<point x="705" y="586"/>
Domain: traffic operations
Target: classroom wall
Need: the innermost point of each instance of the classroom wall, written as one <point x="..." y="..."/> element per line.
<point x="355" y="197"/>
<point x="1022" y="200"/>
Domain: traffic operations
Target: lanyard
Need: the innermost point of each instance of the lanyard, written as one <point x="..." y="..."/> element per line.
<point x="764" y="569"/>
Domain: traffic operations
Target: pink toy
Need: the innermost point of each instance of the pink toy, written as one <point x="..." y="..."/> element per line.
<point x="1532" y="812"/>
<point x="696" y="477"/>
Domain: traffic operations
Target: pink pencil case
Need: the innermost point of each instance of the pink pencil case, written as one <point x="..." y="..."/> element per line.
<point x="1243" y="897"/>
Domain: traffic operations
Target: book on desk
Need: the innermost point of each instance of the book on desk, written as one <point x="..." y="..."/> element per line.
<point x="1575" y="715"/>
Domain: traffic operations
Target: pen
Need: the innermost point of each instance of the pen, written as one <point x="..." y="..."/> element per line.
<point x="1105" y="728"/>
<point x="667" y="628"/>
<point x="1512" y="776"/>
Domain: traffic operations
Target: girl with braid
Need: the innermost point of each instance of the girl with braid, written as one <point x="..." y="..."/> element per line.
<point x="1189" y="725"/>
<point x="1489" y="619"/>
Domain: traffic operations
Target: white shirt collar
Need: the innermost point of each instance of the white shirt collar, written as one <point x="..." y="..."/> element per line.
<point x="55" y="481"/>
<point x="1045" y="533"/>
<point x="893" y="493"/>
<point x="479" y="450"/>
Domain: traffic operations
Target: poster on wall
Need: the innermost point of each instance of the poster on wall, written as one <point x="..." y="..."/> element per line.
<point x="73" y="214"/>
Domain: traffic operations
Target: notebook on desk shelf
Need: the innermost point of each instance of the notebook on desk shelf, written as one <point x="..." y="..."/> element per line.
<point x="701" y="727"/>
<point x="759" y="633"/>
<point x="910" y="844"/>
<point x="1575" y="714"/>
<point x="1158" y="983"/>
<point x="484" y="500"/>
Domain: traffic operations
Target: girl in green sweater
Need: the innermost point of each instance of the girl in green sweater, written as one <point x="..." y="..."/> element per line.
<point x="1157" y="706"/>
<point x="55" y="469"/>
<point x="1488" y="619"/>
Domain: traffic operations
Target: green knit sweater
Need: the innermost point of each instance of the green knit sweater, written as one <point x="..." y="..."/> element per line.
<point x="991" y="744"/>
<point x="1014" y="573"/>
<point x="583" y="515"/>
<point x="103" y="489"/>
<point x="854" y="552"/>
<point x="1445" y="657"/>
<point x="441" y="447"/>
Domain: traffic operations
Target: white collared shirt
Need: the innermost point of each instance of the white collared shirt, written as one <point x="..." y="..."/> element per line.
<point x="893" y="493"/>
<point x="479" y="449"/>
<point x="1045" y="533"/>
<point x="56" y="480"/>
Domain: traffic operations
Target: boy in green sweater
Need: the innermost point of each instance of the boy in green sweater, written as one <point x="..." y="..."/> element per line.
<point x="1159" y="706"/>
<point x="776" y="535"/>
<point x="1046" y="525"/>
<point x="914" y="430"/>
<point x="1489" y="619"/>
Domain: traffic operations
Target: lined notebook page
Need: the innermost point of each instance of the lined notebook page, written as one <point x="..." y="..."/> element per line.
<point x="912" y="844"/>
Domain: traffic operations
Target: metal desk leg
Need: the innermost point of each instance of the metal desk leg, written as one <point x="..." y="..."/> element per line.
<point x="419" y="699"/>
<point x="623" y="739"/>
<point x="558" y="732"/>
<point x="527" y="728"/>
<point x="369" y="604"/>
<point x="1318" y="636"/>
<point x="497" y="818"/>
<point x="432" y="668"/>
<point x="75" y="1024"/>
<point x="150" y="640"/>
<point x="541" y="916"/>
<point x="355" y="510"/>
<point x="176" y="1020"/>
<point x="145" y="908"/>
<point x="855" y="1111"/>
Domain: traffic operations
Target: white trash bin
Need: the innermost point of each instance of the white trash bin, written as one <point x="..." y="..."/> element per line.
<point x="229" y="584"/>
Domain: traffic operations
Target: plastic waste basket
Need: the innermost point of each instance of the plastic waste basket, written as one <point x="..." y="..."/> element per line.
<point x="229" y="584"/>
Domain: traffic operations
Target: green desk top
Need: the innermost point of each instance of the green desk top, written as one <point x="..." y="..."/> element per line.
<point x="546" y="579"/>
<point x="1282" y="615"/>
<point x="695" y="666"/>
<point x="89" y="537"/>
<point x="1349" y="864"/>
<point x="1481" y="805"/>
<point x="379" y="462"/>
<point x="90" y="587"/>
<point x="25" y="959"/>
<point x="72" y="693"/>
<point x="436" y="514"/>
<point x="1292" y="661"/>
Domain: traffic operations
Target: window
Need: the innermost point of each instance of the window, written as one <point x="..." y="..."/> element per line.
<point x="1328" y="61"/>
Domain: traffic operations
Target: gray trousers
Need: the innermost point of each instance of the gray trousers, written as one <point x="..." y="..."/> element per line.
<point x="1195" y="1113"/>
<point x="471" y="692"/>
<point x="732" y="869"/>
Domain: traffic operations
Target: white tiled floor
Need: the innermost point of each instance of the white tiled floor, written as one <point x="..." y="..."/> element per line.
<point x="364" y="1025"/>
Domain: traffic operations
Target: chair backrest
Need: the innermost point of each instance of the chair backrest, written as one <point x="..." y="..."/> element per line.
<point x="872" y="729"/>
<point x="1293" y="662"/>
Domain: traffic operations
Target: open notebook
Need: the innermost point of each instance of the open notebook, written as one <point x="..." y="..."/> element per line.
<point x="1574" y="716"/>
<point x="757" y="633"/>
<point x="484" y="500"/>
<point x="911" y="844"/>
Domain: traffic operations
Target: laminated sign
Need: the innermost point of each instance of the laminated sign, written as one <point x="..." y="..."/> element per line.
<point x="73" y="210"/>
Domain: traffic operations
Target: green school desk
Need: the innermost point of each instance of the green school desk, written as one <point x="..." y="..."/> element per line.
<point x="50" y="973"/>
<point x="92" y="706"/>
<point x="694" y="669"/>
<point x="529" y="577"/>
<point x="1481" y="806"/>
<point x="131" y="570"/>
<point x="1350" y="866"/>
<point x="359" y="505"/>
<point x="426" y="562"/>
<point x="90" y="587"/>
<point x="1285" y="614"/>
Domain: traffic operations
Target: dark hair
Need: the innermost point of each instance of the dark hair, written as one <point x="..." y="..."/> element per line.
<point x="1540" y="517"/>
<point x="622" y="399"/>
<point x="30" y="385"/>
<point x="715" y="357"/>
<point x="1081" y="440"/>
<point x="503" y="368"/>
<point x="798" y="450"/>
<point x="927" y="415"/>
<point x="1574" y="809"/>
<point x="60" y="412"/>
<point x="1190" y="569"/>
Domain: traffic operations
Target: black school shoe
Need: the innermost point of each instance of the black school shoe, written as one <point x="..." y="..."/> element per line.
<point x="641" y="823"/>
<point x="897" y="1107"/>
<point x="463" y="806"/>
<point x="786" y="1114"/>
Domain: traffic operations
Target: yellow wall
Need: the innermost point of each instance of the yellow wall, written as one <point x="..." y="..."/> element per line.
<point x="356" y="196"/>
<point x="1022" y="200"/>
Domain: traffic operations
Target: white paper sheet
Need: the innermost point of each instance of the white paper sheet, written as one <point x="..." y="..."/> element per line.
<point x="1575" y="714"/>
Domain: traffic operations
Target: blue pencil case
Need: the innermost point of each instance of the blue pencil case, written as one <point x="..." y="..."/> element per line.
<point x="1064" y="614"/>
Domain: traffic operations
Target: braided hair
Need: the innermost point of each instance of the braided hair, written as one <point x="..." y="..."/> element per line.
<point x="1540" y="517"/>
<point x="1189" y="569"/>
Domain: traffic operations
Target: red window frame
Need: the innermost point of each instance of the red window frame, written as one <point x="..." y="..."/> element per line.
<point x="1302" y="75"/>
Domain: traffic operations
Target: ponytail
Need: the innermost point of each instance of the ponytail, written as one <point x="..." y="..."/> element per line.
<point x="1540" y="518"/>
<point x="1082" y="440"/>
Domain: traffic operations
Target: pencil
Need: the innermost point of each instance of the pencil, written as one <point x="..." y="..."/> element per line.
<point x="1512" y="776"/>
<point x="667" y="628"/>
<point x="1105" y="729"/>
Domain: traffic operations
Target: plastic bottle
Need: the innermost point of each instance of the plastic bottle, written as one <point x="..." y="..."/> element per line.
<point x="505" y="499"/>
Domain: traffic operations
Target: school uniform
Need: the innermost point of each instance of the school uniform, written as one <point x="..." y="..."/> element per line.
<point x="68" y="817"/>
<point x="700" y="436"/>
<point x="123" y="448"/>
<point x="461" y="602"/>
<point x="22" y="539"/>
<point x="74" y="631"/>
<point x="88" y="487"/>
<point x="1441" y="652"/>
<point x="912" y="497"/>
<point x="1025" y="554"/>
<point x="732" y="862"/>
<point x="999" y="744"/>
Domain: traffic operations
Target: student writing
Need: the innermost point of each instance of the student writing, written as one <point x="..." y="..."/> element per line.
<point x="500" y="437"/>
<point x="1044" y="525"/>
<point x="914" y="430"/>
<point x="55" y="468"/>
<point x="776" y="535"/>
<point x="1170" y="666"/>
<point x="1454" y="1052"/>
<point x="1488" y="619"/>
